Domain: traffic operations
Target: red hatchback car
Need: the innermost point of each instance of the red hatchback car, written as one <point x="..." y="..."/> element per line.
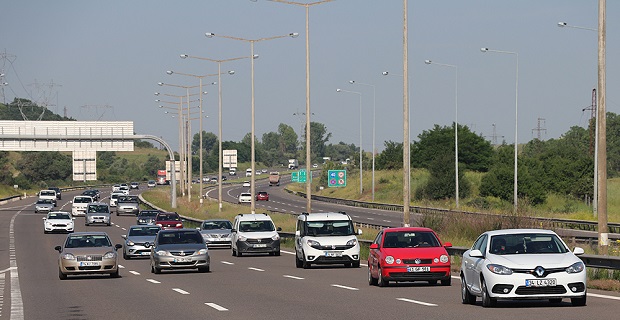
<point x="168" y="220"/>
<point x="262" y="195"/>
<point x="408" y="254"/>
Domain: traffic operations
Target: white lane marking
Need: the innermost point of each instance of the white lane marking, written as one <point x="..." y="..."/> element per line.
<point x="134" y="272"/>
<point x="117" y="225"/>
<point x="121" y="266"/>
<point x="363" y="265"/>
<point x="603" y="296"/>
<point x="124" y="229"/>
<point x="153" y="281"/>
<point x="181" y="291"/>
<point x="228" y="263"/>
<point x="216" y="306"/>
<point x="417" y="302"/>
<point x="293" y="277"/>
<point x="17" y="304"/>
<point x="1" y="292"/>
<point x="344" y="287"/>
<point x="7" y="269"/>
<point x="255" y="269"/>
<point x="287" y="252"/>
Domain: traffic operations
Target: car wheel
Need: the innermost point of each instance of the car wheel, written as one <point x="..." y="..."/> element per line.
<point x="578" y="302"/>
<point x="356" y="264"/>
<point x="304" y="263"/>
<point x="371" y="280"/>
<point x="234" y="252"/>
<point x="45" y="232"/>
<point x="277" y="253"/>
<point x="487" y="301"/>
<point x="446" y="282"/>
<point x="298" y="262"/>
<point x="61" y="275"/>
<point x="347" y="265"/>
<point x="155" y="270"/>
<point x="555" y="300"/>
<point x="125" y="256"/>
<point x="86" y="224"/>
<point x="466" y="297"/>
<point x="115" y="274"/>
<point x="381" y="280"/>
<point x="117" y="214"/>
<point x="204" y="269"/>
<point x="432" y="282"/>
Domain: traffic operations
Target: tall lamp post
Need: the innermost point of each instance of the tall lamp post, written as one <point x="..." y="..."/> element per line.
<point x="219" y="135"/>
<point x="170" y="72"/>
<point x="373" y="130"/>
<point x="456" y="124"/>
<point x="361" y="171"/>
<point x="252" y="138"/>
<point x="516" y="116"/>
<point x="173" y="171"/>
<point x="308" y="113"/>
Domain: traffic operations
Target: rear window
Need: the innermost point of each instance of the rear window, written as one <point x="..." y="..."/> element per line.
<point x="168" y="217"/>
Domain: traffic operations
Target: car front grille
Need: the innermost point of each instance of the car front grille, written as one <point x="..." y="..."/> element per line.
<point x="267" y="241"/>
<point x="421" y="261"/>
<point x="90" y="258"/>
<point x="335" y="247"/>
<point x="417" y="275"/>
<point x="182" y="253"/>
<point x="523" y="290"/>
<point x="546" y="273"/>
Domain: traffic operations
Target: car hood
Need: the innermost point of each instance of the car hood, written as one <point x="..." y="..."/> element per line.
<point x="142" y="239"/>
<point x="531" y="261"/>
<point x="216" y="231"/>
<point x="58" y="220"/>
<point x="257" y="235"/>
<point x="88" y="251"/>
<point x="332" y="240"/>
<point x="44" y="205"/>
<point x="182" y="246"/>
<point x="406" y="253"/>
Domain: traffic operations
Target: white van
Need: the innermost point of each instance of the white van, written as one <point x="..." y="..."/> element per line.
<point x="255" y="233"/>
<point x="48" y="194"/>
<point x="79" y="205"/>
<point x="326" y="238"/>
<point x="248" y="172"/>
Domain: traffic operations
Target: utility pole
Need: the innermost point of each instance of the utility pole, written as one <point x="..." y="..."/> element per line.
<point x="603" y="231"/>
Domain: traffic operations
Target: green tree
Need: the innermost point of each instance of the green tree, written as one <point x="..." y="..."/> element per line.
<point x="340" y="151"/>
<point x="391" y="158"/>
<point x="318" y="138"/>
<point x="442" y="183"/>
<point x="45" y="166"/>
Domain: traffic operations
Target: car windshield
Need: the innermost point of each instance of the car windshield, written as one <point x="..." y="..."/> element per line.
<point x="58" y="215"/>
<point x="330" y="228"/>
<point x="143" y="231"/>
<point x="215" y="225"/>
<point x="144" y="214"/>
<point x="128" y="199"/>
<point x="43" y="201"/>
<point x="98" y="208"/>
<point x="167" y="217"/>
<point x="180" y="237"/>
<point x="526" y="243"/>
<point x="85" y="241"/>
<point x="82" y="200"/>
<point x="410" y="239"/>
<point x="256" y="226"/>
<point x="47" y="193"/>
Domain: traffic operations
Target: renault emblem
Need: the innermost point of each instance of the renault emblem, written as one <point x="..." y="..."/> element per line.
<point x="539" y="271"/>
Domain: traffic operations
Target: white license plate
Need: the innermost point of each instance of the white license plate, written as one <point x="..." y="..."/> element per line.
<point x="183" y="259"/>
<point x="90" y="263"/>
<point x="333" y="254"/>
<point x="418" y="269"/>
<point x="145" y="253"/>
<point x="260" y="245"/>
<point x="540" y="282"/>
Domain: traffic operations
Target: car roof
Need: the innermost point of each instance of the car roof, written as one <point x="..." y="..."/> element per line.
<point x="86" y="233"/>
<point x="178" y="230"/>
<point x="144" y="226"/>
<point x="58" y="212"/>
<point x="97" y="203"/>
<point x="324" y="216"/>
<point x="253" y="217"/>
<point x="410" y="229"/>
<point x="517" y="231"/>
<point x="216" y="220"/>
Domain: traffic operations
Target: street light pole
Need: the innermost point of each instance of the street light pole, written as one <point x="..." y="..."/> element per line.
<point x="361" y="149"/>
<point x="516" y="117"/>
<point x="456" y="124"/>
<point x="253" y="159"/>
<point x="406" y="143"/>
<point x="373" y="131"/>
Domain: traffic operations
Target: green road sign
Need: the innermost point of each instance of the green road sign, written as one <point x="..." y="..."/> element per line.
<point x="294" y="176"/>
<point x="302" y="176"/>
<point x="336" y="178"/>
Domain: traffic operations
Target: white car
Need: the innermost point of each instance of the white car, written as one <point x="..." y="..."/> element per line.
<point x="255" y="233"/>
<point x="246" y="184"/>
<point x="58" y="221"/>
<point x="48" y="194"/>
<point x="522" y="264"/>
<point x="79" y="204"/>
<point x="151" y="184"/>
<point x="245" y="197"/>
<point x="114" y="197"/>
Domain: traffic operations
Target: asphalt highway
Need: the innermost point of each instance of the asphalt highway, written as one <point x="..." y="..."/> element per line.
<point x="248" y="287"/>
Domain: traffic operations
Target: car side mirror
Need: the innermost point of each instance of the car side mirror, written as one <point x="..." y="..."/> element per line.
<point x="124" y="236"/>
<point x="279" y="229"/>
<point x="374" y="246"/>
<point x="233" y="230"/>
<point x="447" y="244"/>
<point x="118" y="246"/>
<point x="578" y="251"/>
<point x="58" y="248"/>
<point x="70" y="201"/>
<point x="197" y="228"/>
<point x="297" y="233"/>
<point x="359" y="231"/>
<point x="476" y="254"/>
<point x="43" y="218"/>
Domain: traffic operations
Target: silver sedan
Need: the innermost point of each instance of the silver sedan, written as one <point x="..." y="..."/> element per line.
<point x="139" y="240"/>
<point x="179" y="249"/>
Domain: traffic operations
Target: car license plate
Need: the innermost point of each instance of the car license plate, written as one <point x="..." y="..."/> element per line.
<point x="90" y="263"/>
<point x="540" y="282"/>
<point x="418" y="269"/>
<point x="260" y="245"/>
<point x="333" y="254"/>
<point x="146" y="253"/>
<point x="183" y="259"/>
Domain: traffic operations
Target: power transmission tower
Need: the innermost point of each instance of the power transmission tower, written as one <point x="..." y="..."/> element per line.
<point x="591" y="125"/>
<point x="540" y="128"/>
<point x="4" y="58"/>
<point x="97" y="107"/>
<point x="44" y="96"/>
<point x="494" y="136"/>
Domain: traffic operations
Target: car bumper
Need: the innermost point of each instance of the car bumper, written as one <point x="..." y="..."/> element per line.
<point x="173" y="262"/>
<point x="264" y="247"/>
<point x="78" y="212"/>
<point x="218" y="242"/>
<point x="67" y="228"/>
<point x="514" y="286"/>
<point x="332" y="256"/>
<point x="121" y="210"/>
<point x="106" y="266"/>
<point x="402" y="273"/>
<point x="98" y="219"/>
<point x="137" y="251"/>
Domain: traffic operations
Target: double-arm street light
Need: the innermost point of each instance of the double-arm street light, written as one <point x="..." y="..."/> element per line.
<point x="373" y="130"/>
<point x="360" y="96"/>
<point x="516" y="117"/>
<point x="231" y="72"/>
<point x="456" y="124"/>
<point x="308" y="113"/>
<point x="219" y="135"/>
<point x="253" y="155"/>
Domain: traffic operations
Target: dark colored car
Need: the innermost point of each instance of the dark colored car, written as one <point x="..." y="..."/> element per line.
<point x="262" y="196"/>
<point x="91" y="193"/>
<point x="58" y="192"/>
<point x="147" y="217"/>
<point x="168" y="220"/>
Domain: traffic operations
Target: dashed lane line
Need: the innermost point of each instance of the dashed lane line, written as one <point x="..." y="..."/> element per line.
<point x="255" y="269"/>
<point x="293" y="277"/>
<point x="181" y="291"/>
<point x="134" y="272"/>
<point x="344" y="287"/>
<point x="228" y="263"/>
<point x="153" y="281"/>
<point x="417" y="302"/>
<point x="216" y="306"/>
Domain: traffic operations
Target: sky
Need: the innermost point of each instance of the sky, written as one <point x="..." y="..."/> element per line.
<point x="102" y="60"/>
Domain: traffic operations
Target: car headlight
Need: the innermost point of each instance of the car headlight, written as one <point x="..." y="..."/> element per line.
<point x="499" y="269"/>
<point x="68" y="256"/>
<point x="275" y="237"/>
<point x="202" y="251"/>
<point x="444" y="258"/>
<point x="352" y="242"/>
<point x="576" y="267"/>
<point x="130" y="243"/>
<point x="162" y="253"/>
<point x="179" y="225"/>
<point x="48" y="223"/>
<point x="242" y="238"/>
<point x="109" y="255"/>
<point x="389" y="259"/>
<point x="313" y="243"/>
